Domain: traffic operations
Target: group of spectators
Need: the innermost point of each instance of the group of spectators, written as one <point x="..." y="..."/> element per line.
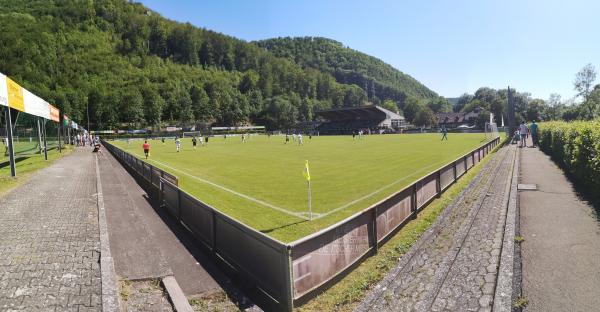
<point x="523" y="132"/>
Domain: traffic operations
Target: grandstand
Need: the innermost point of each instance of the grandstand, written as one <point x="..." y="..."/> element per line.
<point x="371" y="119"/>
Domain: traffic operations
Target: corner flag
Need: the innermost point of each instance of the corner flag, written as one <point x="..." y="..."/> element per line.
<point x="306" y="171"/>
<point x="306" y="174"/>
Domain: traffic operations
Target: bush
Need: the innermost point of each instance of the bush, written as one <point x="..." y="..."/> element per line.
<point x="575" y="147"/>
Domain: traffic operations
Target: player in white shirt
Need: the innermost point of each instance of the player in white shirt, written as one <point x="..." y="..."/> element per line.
<point x="300" y="139"/>
<point x="177" y="144"/>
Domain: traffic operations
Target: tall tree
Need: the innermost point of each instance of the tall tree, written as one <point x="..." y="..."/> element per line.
<point x="554" y="103"/>
<point x="584" y="81"/>
<point x="424" y="118"/>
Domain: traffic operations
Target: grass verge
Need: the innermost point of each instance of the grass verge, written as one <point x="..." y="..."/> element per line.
<point x="26" y="168"/>
<point x="351" y="290"/>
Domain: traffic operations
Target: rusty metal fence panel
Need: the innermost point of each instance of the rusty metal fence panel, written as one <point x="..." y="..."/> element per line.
<point x="318" y="258"/>
<point x="426" y="189"/>
<point x="460" y="167"/>
<point x="446" y="176"/>
<point x="392" y="213"/>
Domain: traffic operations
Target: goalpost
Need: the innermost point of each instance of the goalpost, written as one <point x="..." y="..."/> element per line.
<point x="189" y="134"/>
<point x="491" y="131"/>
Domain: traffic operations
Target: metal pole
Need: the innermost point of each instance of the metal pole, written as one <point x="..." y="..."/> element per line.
<point x="59" y="130"/>
<point x="44" y="135"/>
<point x="88" y="116"/>
<point x="39" y="134"/>
<point x="9" y="137"/>
<point x="309" y="201"/>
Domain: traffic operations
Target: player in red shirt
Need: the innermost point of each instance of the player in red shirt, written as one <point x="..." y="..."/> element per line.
<point x="146" y="147"/>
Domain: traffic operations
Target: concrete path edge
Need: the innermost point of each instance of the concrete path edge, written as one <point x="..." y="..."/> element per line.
<point x="180" y="302"/>
<point x="110" y="298"/>
<point x="505" y="286"/>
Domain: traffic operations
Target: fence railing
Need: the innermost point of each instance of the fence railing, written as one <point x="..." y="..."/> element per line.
<point x="286" y="275"/>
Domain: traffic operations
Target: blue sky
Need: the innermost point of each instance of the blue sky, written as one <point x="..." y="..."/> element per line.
<point x="451" y="46"/>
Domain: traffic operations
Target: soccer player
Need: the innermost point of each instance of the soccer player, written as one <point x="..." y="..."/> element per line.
<point x="444" y="133"/>
<point x="243" y="138"/>
<point x="177" y="144"/>
<point x="194" y="141"/>
<point x="300" y="139"/>
<point x="287" y="138"/>
<point x="206" y="140"/>
<point x="146" y="147"/>
<point x="294" y="137"/>
<point x="163" y="140"/>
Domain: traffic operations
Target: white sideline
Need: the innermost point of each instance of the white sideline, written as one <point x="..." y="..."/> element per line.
<point x="377" y="191"/>
<point x="302" y="215"/>
<point x="258" y="201"/>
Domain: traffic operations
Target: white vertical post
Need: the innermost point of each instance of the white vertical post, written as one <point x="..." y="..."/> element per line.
<point x="309" y="201"/>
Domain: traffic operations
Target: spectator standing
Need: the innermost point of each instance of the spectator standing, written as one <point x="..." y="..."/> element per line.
<point x="533" y="128"/>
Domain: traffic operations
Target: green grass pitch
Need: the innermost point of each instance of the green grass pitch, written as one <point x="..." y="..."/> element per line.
<point x="260" y="182"/>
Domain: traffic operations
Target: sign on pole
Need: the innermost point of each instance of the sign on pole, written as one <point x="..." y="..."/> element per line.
<point x="15" y="95"/>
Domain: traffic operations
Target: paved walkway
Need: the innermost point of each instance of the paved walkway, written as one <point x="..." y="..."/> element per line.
<point x="146" y="243"/>
<point x="454" y="266"/>
<point x="561" y="251"/>
<point x="49" y="240"/>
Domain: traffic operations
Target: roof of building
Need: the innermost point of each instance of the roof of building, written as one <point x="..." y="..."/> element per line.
<point x="359" y="112"/>
<point x="450" y="117"/>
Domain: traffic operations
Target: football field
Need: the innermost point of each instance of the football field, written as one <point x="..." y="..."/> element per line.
<point x="260" y="182"/>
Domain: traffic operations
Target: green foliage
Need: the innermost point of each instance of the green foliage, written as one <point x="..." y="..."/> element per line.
<point x="575" y="146"/>
<point x="411" y="108"/>
<point x="390" y="105"/>
<point x="424" y="117"/>
<point x="133" y="68"/>
<point x="379" y="80"/>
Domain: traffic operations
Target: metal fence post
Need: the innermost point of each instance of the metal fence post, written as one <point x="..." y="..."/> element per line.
<point x="438" y="184"/>
<point x="414" y="200"/>
<point x="289" y="280"/>
<point x="214" y="232"/>
<point x="375" y="246"/>
<point x="178" y="205"/>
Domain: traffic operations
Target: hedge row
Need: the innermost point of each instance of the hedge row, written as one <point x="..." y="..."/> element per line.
<point x="575" y="146"/>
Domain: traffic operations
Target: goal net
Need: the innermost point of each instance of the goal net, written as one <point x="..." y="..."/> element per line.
<point x="191" y="134"/>
<point x="491" y="130"/>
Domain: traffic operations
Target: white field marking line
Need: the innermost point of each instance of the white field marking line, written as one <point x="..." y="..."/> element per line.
<point x="376" y="191"/>
<point x="258" y="201"/>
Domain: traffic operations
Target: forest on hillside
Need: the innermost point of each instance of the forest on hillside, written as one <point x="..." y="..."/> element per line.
<point x="380" y="80"/>
<point x="133" y="68"/>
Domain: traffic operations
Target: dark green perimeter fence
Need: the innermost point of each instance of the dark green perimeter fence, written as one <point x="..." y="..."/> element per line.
<point x="280" y="275"/>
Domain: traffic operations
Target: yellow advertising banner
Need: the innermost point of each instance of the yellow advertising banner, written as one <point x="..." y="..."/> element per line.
<point x="15" y="95"/>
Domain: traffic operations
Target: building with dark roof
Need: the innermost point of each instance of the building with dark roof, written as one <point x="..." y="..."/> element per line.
<point x="453" y="120"/>
<point x="371" y="118"/>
